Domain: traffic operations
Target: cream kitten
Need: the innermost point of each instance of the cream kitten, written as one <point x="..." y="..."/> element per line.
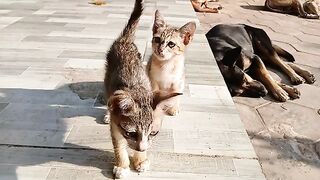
<point x="166" y="65"/>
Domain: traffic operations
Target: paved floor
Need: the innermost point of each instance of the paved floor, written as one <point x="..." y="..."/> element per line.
<point x="51" y="71"/>
<point x="285" y="136"/>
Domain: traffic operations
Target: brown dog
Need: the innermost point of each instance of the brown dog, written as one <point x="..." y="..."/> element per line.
<point x="305" y="8"/>
<point x="202" y="6"/>
<point x="242" y="51"/>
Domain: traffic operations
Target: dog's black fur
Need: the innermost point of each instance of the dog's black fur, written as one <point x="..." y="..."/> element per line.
<point x="241" y="51"/>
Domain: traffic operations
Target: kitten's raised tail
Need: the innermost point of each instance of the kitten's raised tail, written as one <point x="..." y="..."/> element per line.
<point x="129" y="30"/>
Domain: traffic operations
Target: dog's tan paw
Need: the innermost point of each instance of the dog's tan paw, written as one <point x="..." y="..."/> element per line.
<point x="296" y="80"/>
<point x="310" y="79"/>
<point x="120" y="172"/>
<point x="143" y="166"/>
<point x="173" y="111"/>
<point x="294" y="93"/>
<point x="281" y="95"/>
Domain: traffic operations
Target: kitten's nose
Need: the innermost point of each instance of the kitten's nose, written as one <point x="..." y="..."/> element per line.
<point x="142" y="146"/>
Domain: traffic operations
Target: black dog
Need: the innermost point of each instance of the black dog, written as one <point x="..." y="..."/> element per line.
<point x="241" y="51"/>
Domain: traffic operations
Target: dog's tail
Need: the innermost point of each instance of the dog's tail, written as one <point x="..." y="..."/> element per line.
<point x="283" y="53"/>
<point x="128" y="32"/>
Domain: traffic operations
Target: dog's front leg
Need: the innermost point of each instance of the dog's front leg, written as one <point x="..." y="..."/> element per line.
<point x="261" y="73"/>
<point x="294" y="93"/>
<point x="304" y="73"/>
<point x="122" y="162"/>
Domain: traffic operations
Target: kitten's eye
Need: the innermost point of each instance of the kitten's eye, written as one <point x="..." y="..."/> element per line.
<point x="156" y="39"/>
<point x="133" y="135"/>
<point x="171" y="44"/>
<point x="154" y="133"/>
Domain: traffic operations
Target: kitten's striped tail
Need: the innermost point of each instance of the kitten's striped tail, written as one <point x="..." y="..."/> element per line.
<point x="129" y="30"/>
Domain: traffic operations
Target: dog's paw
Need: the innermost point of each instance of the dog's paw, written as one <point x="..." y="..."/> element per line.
<point x="295" y="79"/>
<point x="310" y="79"/>
<point x="143" y="166"/>
<point x="294" y="93"/>
<point x="172" y="111"/>
<point x="120" y="172"/>
<point x="281" y="95"/>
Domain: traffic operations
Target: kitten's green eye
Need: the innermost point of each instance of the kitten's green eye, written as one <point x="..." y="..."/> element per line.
<point x="156" y="39"/>
<point x="154" y="133"/>
<point x="171" y="44"/>
<point x="133" y="135"/>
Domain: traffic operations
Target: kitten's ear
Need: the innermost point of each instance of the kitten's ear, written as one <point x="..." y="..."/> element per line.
<point x="158" y="22"/>
<point x="121" y="103"/>
<point x="160" y="96"/>
<point x="187" y="32"/>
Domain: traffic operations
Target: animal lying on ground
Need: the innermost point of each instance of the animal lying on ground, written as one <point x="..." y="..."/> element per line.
<point x="304" y="8"/>
<point x="166" y="65"/>
<point x="135" y="111"/>
<point x="97" y="2"/>
<point x="242" y="51"/>
<point x="202" y="6"/>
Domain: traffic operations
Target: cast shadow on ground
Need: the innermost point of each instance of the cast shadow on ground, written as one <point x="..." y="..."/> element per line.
<point x="253" y="7"/>
<point x="46" y="126"/>
<point x="287" y="147"/>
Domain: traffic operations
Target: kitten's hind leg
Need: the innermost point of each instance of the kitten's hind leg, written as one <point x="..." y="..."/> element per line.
<point x="310" y="79"/>
<point x="140" y="161"/>
<point x="294" y="93"/>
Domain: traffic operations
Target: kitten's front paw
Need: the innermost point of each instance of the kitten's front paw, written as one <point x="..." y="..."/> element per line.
<point x="173" y="111"/>
<point x="106" y="119"/>
<point x="120" y="172"/>
<point x="143" y="166"/>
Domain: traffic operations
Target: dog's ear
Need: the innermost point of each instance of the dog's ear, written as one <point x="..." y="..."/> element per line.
<point x="160" y="96"/>
<point x="158" y="22"/>
<point x="121" y="103"/>
<point x="231" y="56"/>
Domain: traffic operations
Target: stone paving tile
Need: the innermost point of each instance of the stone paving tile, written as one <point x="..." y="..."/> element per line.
<point x="12" y="70"/>
<point x="61" y="39"/>
<point x="3" y="105"/>
<point x="206" y="142"/>
<point x="301" y="119"/>
<point x="252" y="120"/>
<point x="308" y="98"/>
<point x="90" y="162"/>
<point x="85" y="64"/>
<point x="32" y="96"/>
<point x="30" y="82"/>
<point x="307" y="59"/>
<point x="12" y="172"/>
<point x="311" y="48"/>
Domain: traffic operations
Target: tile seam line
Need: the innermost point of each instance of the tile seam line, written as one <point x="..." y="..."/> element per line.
<point x="92" y="149"/>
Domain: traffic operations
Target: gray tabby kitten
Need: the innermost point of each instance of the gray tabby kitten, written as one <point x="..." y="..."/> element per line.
<point x="166" y="65"/>
<point x="135" y="111"/>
